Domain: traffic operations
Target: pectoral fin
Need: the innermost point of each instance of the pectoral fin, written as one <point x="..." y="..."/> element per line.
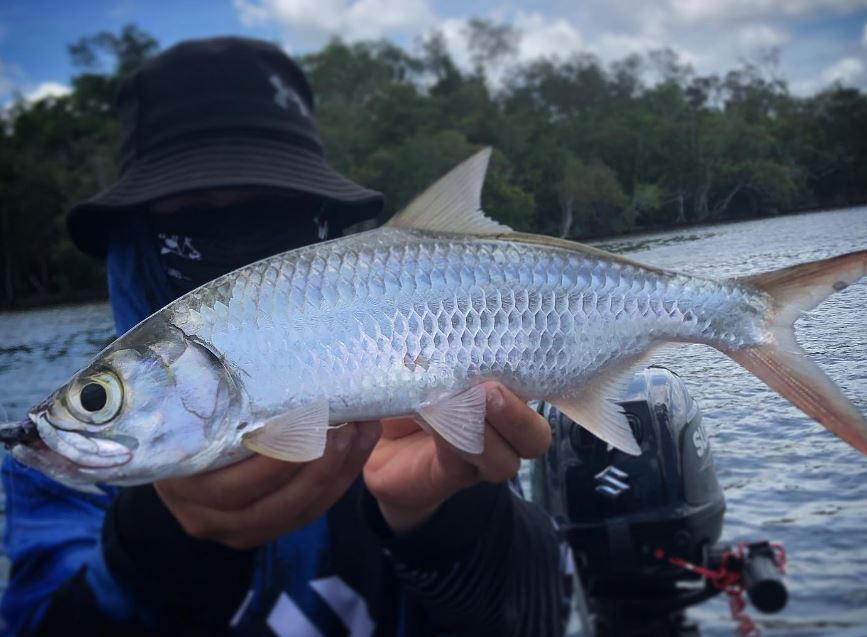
<point x="460" y="420"/>
<point x="298" y="435"/>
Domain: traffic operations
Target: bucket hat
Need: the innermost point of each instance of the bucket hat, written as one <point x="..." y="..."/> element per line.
<point x="223" y="112"/>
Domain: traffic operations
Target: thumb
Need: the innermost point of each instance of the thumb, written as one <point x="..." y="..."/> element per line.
<point x="453" y="469"/>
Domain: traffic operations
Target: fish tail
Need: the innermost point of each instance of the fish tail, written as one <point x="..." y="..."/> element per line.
<point x="783" y="365"/>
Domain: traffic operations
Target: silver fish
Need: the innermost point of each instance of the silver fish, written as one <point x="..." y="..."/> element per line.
<point x="410" y="319"/>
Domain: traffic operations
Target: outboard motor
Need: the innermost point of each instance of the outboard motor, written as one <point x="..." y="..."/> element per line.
<point x="644" y="529"/>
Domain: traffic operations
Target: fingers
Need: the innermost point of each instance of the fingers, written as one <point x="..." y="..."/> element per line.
<point x="497" y="463"/>
<point x="526" y="431"/>
<point x="337" y="483"/>
<point x="513" y="431"/>
<point x="233" y="487"/>
<point x="501" y="461"/>
<point x="238" y="485"/>
<point x="299" y="493"/>
<point x="313" y="491"/>
<point x="399" y="427"/>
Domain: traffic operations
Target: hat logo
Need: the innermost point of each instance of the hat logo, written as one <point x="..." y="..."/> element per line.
<point x="283" y="95"/>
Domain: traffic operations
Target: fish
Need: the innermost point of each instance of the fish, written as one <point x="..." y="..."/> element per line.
<point x="410" y="319"/>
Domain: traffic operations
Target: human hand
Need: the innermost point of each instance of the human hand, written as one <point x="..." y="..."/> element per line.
<point x="258" y="499"/>
<point x="411" y="472"/>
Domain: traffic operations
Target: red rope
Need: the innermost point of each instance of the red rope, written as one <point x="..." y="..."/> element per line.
<point x="729" y="578"/>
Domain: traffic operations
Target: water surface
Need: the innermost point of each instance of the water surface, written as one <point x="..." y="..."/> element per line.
<point x="785" y="477"/>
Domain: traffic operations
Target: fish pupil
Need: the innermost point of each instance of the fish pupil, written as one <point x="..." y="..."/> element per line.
<point x="93" y="397"/>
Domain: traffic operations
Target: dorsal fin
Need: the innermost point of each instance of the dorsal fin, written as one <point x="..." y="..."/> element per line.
<point x="453" y="203"/>
<point x="583" y="248"/>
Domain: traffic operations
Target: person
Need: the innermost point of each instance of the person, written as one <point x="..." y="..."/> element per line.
<point x="392" y="532"/>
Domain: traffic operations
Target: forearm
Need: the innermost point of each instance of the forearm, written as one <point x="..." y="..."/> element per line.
<point x="486" y="563"/>
<point x="169" y="578"/>
<point x="73" y="609"/>
<point x="150" y="577"/>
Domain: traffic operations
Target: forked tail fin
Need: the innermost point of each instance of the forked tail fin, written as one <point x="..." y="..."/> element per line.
<point x="783" y="365"/>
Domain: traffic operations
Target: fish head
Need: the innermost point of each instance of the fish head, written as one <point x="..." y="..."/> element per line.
<point x="155" y="403"/>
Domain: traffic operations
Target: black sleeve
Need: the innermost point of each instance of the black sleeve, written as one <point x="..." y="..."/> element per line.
<point x="486" y="563"/>
<point x="180" y="585"/>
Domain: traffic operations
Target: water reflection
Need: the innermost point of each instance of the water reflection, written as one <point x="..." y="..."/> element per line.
<point x="622" y="246"/>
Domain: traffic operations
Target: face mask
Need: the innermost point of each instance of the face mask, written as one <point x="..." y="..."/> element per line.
<point x="199" y="244"/>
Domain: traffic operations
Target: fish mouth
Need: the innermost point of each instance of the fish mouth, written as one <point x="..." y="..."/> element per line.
<point x="37" y="437"/>
<point x="23" y="432"/>
<point x="38" y="455"/>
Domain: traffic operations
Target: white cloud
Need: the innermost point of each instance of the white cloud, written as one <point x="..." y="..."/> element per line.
<point x="846" y="71"/>
<point x="453" y="31"/>
<point x="806" y="86"/>
<point x="618" y="45"/>
<point x="760" y="36"/>
<point x="539" y="37"/>
<point x="351" y="19"/>
<point x="714" y="10"/>
<point x="13" y="89"/>
<point x="715" y="37"/>
<point x="710" y="35"/>
<point x="46" y="89"/>
<point x="545" y="37"/>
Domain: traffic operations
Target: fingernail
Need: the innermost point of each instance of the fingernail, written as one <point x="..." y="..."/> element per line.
<point x="495" y="399"/>
<point x="367" y="437"/>
<point x="343" y="438"/>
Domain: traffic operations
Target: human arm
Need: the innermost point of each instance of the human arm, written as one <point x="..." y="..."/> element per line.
<point x="51" y="538"/>
<point x="476" y="557"/>
<point x="136" y="565"/>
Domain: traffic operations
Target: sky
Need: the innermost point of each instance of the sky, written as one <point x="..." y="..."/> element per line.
<point x="819" y="41"/>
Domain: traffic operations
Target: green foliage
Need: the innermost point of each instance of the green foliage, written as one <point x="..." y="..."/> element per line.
<point x="591" y="199"/>
<point x="581" y="148"/>
<point x="55" y="152"/>
<point x="647" y="200"/>
<point x="515" y="206"/>
<point x="490" y="43"/>
<point x="405" y="169"/>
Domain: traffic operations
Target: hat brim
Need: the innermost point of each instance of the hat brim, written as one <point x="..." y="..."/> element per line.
<point x="223" y="163"/>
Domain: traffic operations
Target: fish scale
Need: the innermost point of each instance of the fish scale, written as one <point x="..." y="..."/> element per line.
<point x="386" y="321"/>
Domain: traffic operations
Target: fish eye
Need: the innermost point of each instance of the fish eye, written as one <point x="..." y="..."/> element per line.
<point x="93" y="397"/>
<point x="97" y="399"/>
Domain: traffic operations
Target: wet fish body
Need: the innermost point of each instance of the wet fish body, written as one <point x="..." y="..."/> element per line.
<point x="411" y="318"/>
<point x="384" y="323"/>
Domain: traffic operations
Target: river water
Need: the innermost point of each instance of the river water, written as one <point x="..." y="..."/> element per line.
<point x="785" y="477"/>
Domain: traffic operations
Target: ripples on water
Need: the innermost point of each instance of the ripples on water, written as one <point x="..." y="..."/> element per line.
<point x="785" y="477"/>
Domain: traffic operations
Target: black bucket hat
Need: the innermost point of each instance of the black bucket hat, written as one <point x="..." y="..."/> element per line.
<point x="217" y="113"/>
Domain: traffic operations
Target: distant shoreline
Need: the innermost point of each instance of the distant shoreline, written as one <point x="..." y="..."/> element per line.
<point x="601" y="238"/>
<point x="59" y="299"/>
<point x="79" y="297"/>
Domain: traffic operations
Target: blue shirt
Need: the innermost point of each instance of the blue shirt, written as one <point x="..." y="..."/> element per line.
<point x="52" y="531"/>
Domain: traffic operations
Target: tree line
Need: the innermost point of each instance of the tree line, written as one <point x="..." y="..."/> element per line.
<point x="582" y="148"/>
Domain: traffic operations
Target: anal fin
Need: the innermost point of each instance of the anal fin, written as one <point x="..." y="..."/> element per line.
<point x="460" y="420"/>
<point x="298" y="435"/>
<point x="593" y="407"/>
<point x="602" y="418"/>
